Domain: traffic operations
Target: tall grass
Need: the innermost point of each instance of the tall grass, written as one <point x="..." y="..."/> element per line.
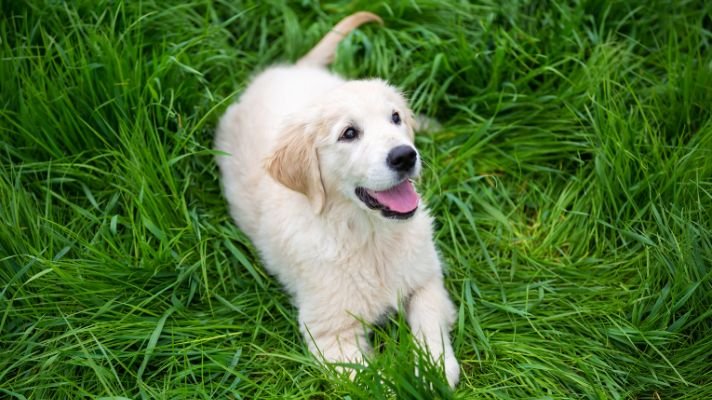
<point x="571" y="183"/>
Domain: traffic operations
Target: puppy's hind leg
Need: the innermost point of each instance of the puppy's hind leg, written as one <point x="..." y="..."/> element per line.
<point x="430" y="316"/>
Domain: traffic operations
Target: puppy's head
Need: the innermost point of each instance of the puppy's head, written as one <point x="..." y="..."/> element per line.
<point x="355" y="143"/>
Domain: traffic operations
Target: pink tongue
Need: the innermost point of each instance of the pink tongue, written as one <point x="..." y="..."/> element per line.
<point x="401" y="198"/>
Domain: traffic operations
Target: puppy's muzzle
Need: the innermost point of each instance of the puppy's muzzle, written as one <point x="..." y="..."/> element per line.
<point x="402" y="159"/>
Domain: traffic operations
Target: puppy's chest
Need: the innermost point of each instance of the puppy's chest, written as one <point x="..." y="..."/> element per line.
<point x="382" y="270"/>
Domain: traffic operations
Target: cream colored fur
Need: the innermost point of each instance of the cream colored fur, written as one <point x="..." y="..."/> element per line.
<point x="290" y="186"/>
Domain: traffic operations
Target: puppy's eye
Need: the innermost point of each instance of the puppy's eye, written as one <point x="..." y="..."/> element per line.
<point x="395" y="117"/>
<point x="349" y="134"/>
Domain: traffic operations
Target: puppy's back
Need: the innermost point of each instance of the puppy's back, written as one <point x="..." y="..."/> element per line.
<point x="249" y="129"/>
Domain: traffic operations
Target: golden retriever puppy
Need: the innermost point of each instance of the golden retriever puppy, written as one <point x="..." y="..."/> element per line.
<point x="318" y="173"/>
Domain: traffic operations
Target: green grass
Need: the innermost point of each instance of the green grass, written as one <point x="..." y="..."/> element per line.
<point x="571" y="184"/>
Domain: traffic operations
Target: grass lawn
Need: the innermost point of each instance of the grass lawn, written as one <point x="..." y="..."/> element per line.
<point x="571" y="184"/>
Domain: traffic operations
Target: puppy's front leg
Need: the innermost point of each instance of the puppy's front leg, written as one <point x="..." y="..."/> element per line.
<point x="430" y="315"/>
<point x="335" y="335"/>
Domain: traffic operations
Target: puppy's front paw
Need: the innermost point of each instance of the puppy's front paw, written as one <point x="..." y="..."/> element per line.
<point x="452" y="371"/>
<point x="348" y="357"/>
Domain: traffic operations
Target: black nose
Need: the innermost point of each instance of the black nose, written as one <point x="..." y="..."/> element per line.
<point x="402" y="158"/>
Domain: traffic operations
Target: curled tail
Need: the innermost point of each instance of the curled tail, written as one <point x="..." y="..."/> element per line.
<point x="323" y="53"/>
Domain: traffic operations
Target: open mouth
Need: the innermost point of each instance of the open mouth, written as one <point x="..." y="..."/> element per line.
<point x="399" y="202"/>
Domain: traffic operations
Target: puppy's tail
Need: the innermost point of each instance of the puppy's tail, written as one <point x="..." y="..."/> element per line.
<point x="323" y="53"/>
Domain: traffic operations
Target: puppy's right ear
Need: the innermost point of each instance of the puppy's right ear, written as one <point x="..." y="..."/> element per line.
<point x="295" y="164"/>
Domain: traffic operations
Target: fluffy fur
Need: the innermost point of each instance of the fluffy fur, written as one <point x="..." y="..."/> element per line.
<point x="291" y="186"/>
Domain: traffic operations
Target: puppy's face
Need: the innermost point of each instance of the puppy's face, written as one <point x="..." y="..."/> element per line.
<point x="358" y="144"/>
<point x="368" y="153"/>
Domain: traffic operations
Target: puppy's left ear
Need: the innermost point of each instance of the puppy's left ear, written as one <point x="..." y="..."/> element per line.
<point x="424" y="124"/>
<point x="295" y="164"/>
